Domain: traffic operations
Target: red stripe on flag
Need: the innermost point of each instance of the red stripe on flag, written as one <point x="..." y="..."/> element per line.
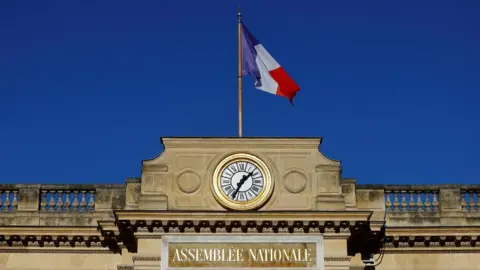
<point x="286" y="86"/>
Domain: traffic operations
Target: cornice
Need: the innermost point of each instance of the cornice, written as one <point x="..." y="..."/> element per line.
<point x="240" y="222"/>
<point x="107" y="226"/>
<point x="52" y="231"/>
<point x="432" y="251"/>
<point x="243" y="216"/>
<point x="433" y="231"/>
<point x="244" y="142"/>
<point x="332" y="223"/>
<point x="55" y="250"/>
<point x="63" y="239"/>
<point x="328" y="236"/>
<point x="432" y="237"/>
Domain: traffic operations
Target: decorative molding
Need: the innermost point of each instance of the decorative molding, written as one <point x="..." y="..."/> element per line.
<point x="155" y="168"/>
<point x="56" y="250"/>
<point x="433" y="230"/>
<point x="431" y="251"/>
<point x="343" y="225"/>
<point x="146" y="258"/>
<point x="53" y="237"/>
<point x="125" y="267"/>
<point x="49" y="230"/>
<point x="168" y="222"/>
<point x="336" y="237"/>
<point x="184" y="178"/>
<point x="244" y="142"/>
<point x="432" y="237"/>
<point x="337" y="259"/>
<point x="148" y="236"/>
<point x="289" y="181"/>
<point x="328" y="168"/>
<point x="335" y="216"/>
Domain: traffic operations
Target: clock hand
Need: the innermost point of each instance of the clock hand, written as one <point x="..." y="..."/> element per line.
<point x="240" y="184"/>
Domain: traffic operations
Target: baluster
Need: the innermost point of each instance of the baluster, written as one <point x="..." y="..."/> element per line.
<point x="428" y="201"/>
<point x="412" y="201"/>
<point x="388" y="203"/>
<point x="60" y="201"/>
<point x="419" y="202"/>
<point x="52" y="201"/>
<point x="1" y="200"/>
<point x="67" y="202"/>
<point x="91" y="201"/>
<point x="396" y="204"/>
<point x="43" y="201"/>
<point x="83" y="201"/>
<point x="477" y="192"/>
<point x="463" y="202"/>
<point x="15" y="200"/>
<point x="6" y="203"/>
<point x="75" y="201"/>
<point x="471" y="201"/>
<point x="435" y="201"/>
<point x="404" y="201"/>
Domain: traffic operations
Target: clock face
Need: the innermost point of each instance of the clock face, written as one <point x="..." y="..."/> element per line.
<point x="242" y="182"/>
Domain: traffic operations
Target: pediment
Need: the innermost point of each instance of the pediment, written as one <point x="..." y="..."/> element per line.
<point x="180" y="177"/>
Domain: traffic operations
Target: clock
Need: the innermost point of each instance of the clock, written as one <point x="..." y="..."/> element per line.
<point x="242" y="182"/>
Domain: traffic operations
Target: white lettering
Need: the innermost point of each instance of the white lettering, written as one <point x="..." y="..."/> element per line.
<point x="298" y="255"/>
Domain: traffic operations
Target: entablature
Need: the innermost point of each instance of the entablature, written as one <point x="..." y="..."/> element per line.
<point x="434" y="237"/>
<point x="61" y="239"/>
<point x="248" y="221"/>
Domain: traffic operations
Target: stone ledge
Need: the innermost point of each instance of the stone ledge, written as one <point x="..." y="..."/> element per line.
<point x="64" y="239"/>
<point x="244" y="215"/>
<point x="228" y="142"/>
<point x="416" y="187"/>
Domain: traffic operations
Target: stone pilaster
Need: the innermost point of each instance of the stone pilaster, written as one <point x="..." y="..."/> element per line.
<point x="153" y="187"/>
<point x="329" y="191"/>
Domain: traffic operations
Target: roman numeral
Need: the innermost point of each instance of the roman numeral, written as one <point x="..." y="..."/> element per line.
<point x="258" y="182"/>
<point x="248" y="195"/>
<point x="249" y="167"/>
<point x="234" y="168"/>
<point x="255" y="189"/>
<point x="225" y="181"/>
<point x="230" y="191"/>
<point x="227" y="173"/>
<point x="241" y="166"/>
<point x="241" y="196"/>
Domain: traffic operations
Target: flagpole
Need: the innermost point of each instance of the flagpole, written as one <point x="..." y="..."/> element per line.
<point x="240" y="119"/>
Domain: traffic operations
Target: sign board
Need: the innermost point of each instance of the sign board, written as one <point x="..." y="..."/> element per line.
<point x="245" y="252"/>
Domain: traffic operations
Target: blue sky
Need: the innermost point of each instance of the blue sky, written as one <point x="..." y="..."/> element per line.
<point x="87" y="88"/>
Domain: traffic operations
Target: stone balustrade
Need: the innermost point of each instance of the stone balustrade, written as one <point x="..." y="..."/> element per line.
<point x="470" y="199"/>
<point x="59" y="200"/>
<point x="8" y="199"/>
<point x="62" y="205"/>
<point x="425" y="198"/>
<point x="73" y="204"/>
<point x="411" y="200"/>
<point x="419" y="205"/>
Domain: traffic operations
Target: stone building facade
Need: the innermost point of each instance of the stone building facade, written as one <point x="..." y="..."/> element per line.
<point x="143" y="223"/>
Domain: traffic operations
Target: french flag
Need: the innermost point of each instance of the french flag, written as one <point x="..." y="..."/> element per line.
<point x="269" y="75"/>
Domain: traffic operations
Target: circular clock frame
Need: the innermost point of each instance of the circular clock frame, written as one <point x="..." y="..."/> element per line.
<point x="258" y="201"/>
